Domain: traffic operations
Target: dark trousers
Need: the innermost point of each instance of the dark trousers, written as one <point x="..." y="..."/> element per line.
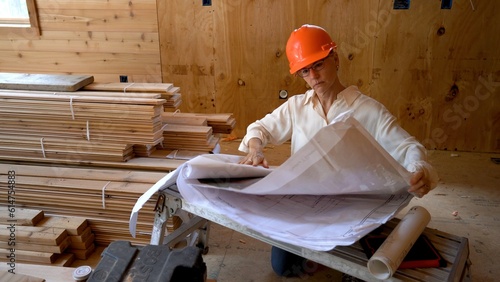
<point x="287" y="264"/>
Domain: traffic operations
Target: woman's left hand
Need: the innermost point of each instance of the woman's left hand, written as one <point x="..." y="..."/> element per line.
<point x="419" y="185"/>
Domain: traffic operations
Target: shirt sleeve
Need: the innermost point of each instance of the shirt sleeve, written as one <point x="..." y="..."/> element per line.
<point x="274" y="128"/>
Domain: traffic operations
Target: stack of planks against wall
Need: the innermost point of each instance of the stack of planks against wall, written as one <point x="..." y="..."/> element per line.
<point x="183" y="133"/>
<point x="104" y="122"/>
<point x="90" y="154"/>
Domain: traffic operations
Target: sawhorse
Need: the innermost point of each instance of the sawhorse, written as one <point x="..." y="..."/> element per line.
<point x="194" y="230"/>
<point x="346" y="259"/>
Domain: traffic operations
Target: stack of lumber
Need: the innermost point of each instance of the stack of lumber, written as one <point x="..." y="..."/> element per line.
<point x="81" y="236"/>
<point x="77" y="125"/>
<point x="194" y="132"/>
<point x="188" y="137"/>
<point x="105" y="197"/>
<point x="220" y="123"/>
<point x="42" y="239"/>
<point x="168" y="91"/>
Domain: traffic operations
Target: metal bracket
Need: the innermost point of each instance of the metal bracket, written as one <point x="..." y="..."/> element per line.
<point x="193" y="229"/>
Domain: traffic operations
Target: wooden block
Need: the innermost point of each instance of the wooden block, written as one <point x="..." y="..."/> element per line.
<point x="44" y="82"/>
<point x="57" y="249"/>
<point x="82" y="237"/>
<point x="74" y="225"/>
<point x="133" y="87"/>
<point x="28" y="217"/>
<point x="7" y="276"/>
<point x="83" y="245"/>
<point x="34" y="234"/>
<point x="51" y="273"/>
<point x="65" y="259"/>
<point x="28" y="256"/>
<point x="82" y="254"/>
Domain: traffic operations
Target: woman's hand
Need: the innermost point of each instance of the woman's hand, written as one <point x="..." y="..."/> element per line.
<point x="255" y="154"/>
<point x="420" y="186"/>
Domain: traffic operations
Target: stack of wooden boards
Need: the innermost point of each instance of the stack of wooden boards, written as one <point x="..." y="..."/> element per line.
<point x="105" y="197"/>
<point x="101" y="121"/>
<point x="167" y="91"/>
<point x="190" y="131"/>
<point x="77" y="125"/>
<point x="91" y="153"/>
<point x="30" y="236"/>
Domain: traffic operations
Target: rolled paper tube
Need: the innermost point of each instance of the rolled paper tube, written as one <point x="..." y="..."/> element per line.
<point x="386" y="260"/>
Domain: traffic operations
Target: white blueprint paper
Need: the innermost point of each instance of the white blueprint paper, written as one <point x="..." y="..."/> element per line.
<point x="342" y="158"/>
<point x="336" y="189"/>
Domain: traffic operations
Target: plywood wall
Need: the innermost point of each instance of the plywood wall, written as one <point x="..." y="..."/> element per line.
<point x="436" y="70"/>
<point x="105" y="39"/>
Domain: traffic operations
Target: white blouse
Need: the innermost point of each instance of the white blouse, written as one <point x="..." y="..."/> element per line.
<point x="302" y="116"/>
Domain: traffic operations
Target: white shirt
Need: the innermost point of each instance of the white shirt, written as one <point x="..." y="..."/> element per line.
<point x="302" y="116"/>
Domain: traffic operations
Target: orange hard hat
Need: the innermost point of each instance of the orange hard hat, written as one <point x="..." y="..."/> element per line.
<point x="306" y="45"/>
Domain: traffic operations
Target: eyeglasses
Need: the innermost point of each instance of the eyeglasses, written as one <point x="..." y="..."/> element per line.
<point x="317" y="66"/>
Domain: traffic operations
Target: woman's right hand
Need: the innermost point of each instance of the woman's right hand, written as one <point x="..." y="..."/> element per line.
<point x="255" y="154"/>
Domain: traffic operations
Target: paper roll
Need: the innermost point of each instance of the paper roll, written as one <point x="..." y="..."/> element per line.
<point x="386" y="260"/>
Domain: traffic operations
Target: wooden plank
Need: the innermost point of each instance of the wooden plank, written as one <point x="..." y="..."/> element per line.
<point x="50" y="273"/>
<point x="10" y="277"/>
<point x="47" y="82"/>
<point x="82" y="253"/>
<point x="95" y="63"/>
<point x="100" y="20"/>
<point x="82" y="245"/>
<point x="29" y="256"/>
<point x="28" y="217"/>
<point x="132" y="87"/>
<point x="74" y="225"/>
<point x="56" y="249"/>
<point x="78" y="45"/>
<point x="34" y="234"/>
<point x="93" y="173"/>
<point x="151" y="164"/>
<point x="83" y="237"/>
<point x="198" y="121"/>
<point x="98" y="4"/>
<point x="76" y="98"/>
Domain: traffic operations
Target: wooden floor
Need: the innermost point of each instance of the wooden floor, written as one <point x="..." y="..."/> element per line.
<point x="465" y="203"/>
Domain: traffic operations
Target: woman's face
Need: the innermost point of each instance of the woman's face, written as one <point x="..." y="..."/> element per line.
<point x="323" y="80"/>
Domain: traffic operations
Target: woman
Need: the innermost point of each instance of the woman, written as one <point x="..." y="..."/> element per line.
<point x="312" y="55"/>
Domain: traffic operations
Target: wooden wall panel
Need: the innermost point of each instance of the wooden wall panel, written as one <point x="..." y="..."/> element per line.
<point x="245" y="51"/>
<point x="400" y="57"/>
<point x="187" y="52"/>
<point x="428" y="63"/>
<point x="105" y="39"/>
<point x="436" y="70"/>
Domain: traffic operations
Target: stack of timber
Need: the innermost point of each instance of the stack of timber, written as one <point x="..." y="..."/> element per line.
<point x="29" y="236"/>
<point x="168" y="91"/>
<point x="188" y="137"/>
<point x="194" y="132"/>
<point x="107" y="123"/>
<point x="105" y="197"/>
<point x="81" y="238"/>
<point x="220" y="123"/>
<point x="77" y="125"/>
